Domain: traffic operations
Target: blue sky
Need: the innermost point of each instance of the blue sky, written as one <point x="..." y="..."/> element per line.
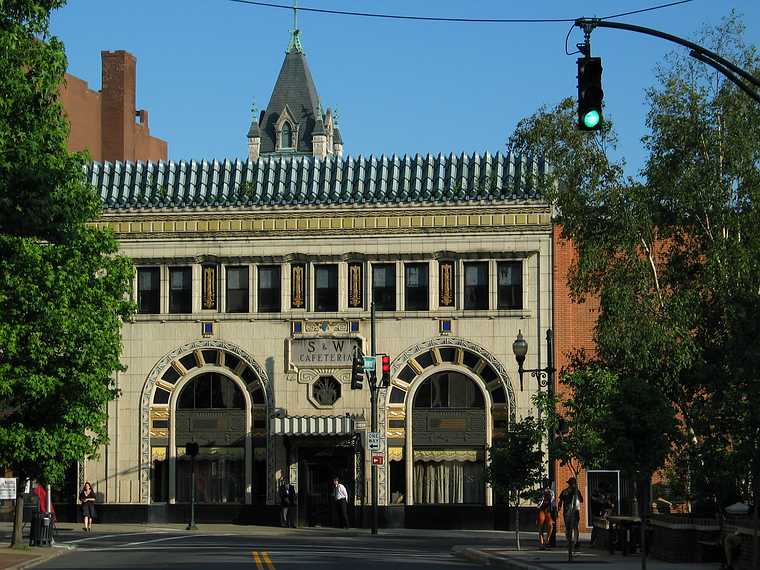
<point x="400" y="86"/>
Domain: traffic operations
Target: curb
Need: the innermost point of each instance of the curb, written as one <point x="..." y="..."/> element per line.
<point x="475" y="555"/>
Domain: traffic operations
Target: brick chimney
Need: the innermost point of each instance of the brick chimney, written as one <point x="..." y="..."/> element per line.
<point x="118" y="105"/>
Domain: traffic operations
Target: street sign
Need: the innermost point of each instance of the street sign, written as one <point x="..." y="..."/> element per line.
<point x="7" y="487"/>
<point x="369" y="363"/>
<point x="373" y="441"/>
<point x="378" y="458"/>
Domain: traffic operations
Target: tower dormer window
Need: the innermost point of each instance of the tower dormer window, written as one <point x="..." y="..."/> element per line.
<point x="286" y="136"/>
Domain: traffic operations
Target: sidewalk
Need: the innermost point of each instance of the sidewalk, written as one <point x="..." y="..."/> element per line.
<point x="586" y="559"/>
<point x="15" y="559"/>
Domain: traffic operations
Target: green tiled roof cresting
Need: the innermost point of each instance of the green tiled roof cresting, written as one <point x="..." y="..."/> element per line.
<point x="306" y="180"/>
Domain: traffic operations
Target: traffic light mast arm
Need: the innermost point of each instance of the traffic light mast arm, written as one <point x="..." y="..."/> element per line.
<point x="722" y="65"/>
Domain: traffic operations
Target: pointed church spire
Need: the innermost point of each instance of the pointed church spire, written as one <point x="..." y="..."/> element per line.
<point x="295" y="34"/>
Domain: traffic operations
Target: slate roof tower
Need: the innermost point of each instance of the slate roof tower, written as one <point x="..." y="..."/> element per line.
<point x="294" y="123"/>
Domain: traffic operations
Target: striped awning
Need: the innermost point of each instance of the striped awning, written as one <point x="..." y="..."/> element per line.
<point x="312" y="425"/>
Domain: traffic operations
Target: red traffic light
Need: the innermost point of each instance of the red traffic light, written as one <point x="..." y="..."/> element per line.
<point x="386" y="368"/>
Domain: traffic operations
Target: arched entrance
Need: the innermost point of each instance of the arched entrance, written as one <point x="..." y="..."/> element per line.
<point x="215" y="394"/>
<point x="448" y="440"/>
<point x="211" y="409"/>
<point x="448" y="401"/>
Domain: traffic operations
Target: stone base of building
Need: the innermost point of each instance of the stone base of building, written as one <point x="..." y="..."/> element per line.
<point x="444" y="517"/>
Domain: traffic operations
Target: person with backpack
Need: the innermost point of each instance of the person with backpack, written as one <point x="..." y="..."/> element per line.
<point x="571" y="499"/>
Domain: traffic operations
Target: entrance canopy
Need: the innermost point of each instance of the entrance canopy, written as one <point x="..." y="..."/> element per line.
<point x="312" y="425"/>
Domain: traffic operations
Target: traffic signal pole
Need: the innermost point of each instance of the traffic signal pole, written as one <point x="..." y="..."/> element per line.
<point x="732" y="72"/>
<point x="373" y="389"/>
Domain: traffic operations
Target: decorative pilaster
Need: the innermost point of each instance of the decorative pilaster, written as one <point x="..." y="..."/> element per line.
<point x="446" y="289"/>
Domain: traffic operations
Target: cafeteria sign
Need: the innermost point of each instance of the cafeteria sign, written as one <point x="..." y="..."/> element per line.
<point x="318" y="352"/>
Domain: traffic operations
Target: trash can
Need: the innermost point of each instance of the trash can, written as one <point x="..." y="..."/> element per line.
<point x="41" y="530"/>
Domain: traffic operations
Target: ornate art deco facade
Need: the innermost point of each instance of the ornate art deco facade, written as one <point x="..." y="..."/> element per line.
<point x="254" y="285"/>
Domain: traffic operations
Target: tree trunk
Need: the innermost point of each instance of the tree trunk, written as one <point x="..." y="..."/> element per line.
<point x="17" y="538"/>
<point x="755" y="493"/>
<point x="644" y="511"/>
<point x="517" y="521"/>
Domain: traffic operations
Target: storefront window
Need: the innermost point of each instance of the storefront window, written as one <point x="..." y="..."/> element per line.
<point x="448" y="440"/>
<point x="448" y="390"/>
<point x="218" y="475"/>
<point x="159" y="482"/>
<point x="442" y="482"/>
<point x="210" y="391"/>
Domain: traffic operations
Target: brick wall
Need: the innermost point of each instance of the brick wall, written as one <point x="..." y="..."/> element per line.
<point x="82" y="107"/>
<point x="573" y="329"/>
<point x="107" y="123"/>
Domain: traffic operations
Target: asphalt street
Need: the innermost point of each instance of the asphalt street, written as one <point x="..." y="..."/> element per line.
<point x="268" y="550"/>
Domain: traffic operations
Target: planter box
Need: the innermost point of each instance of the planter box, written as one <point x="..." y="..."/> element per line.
<point x="676" y="538"/>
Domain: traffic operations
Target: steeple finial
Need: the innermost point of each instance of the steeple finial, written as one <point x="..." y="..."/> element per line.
<point x="254" y="110"/>
<point x="295" y="33"/>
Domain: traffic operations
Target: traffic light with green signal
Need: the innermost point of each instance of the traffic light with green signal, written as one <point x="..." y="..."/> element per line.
<point x="590" y="93"/>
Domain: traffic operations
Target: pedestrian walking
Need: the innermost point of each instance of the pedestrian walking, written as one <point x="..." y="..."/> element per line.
<point x="341" y="501"/>
<point x="544" y="520"/>
<point x="287" y="505"/>
<point x="87" y="498"/>
<point x="571" y="500"/>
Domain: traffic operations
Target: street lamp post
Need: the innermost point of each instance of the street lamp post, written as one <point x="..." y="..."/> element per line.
<point x="544" y="377"/>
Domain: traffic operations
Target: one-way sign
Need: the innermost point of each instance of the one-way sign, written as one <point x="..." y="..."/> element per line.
<point x="373" y="441"/>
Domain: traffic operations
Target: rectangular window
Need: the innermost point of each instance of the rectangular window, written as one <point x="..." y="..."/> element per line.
<point x="416" y="287"/>
<point x="269" y="290"/>
<point x="149" y="290"/>
<point x="384" y="287"/>
<point x="509" y="281"/>
<point x="237" y="289"/>
<point x="476" y="285"/>
<point x="180" y="290"/>
<point x="326" y="288"/>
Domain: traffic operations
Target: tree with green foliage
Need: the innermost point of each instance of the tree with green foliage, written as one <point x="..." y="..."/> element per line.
<point x="515" y="467"/>
<point x="673" y="256"/>
<point x="63" y="288"/>
<point x="577" y="417"/>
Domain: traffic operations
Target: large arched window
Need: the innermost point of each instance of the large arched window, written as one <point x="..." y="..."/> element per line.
<point x="286" y="137"/>
<point x="449" y="390"/>
<point x="211" y="391"/>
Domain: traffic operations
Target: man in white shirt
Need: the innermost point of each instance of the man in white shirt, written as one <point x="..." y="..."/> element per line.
<point x="341" y="500"/>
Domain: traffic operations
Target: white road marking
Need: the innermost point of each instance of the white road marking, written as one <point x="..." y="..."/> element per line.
<point x="163" y="539"/>
<point x="100" y="536"/>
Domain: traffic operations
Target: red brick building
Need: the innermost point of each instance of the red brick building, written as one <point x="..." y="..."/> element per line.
<point x="574" y="330"/>
<point x="107" y="123"/>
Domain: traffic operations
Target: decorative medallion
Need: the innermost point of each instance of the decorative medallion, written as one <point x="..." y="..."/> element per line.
<point x="355" y="285"/>
<point x="209" y="287"/>
<point x="326" y="390"/>
<point x="325" y="327"/>
<point x="446" y="286"/>
<point x="297" y="288"/>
